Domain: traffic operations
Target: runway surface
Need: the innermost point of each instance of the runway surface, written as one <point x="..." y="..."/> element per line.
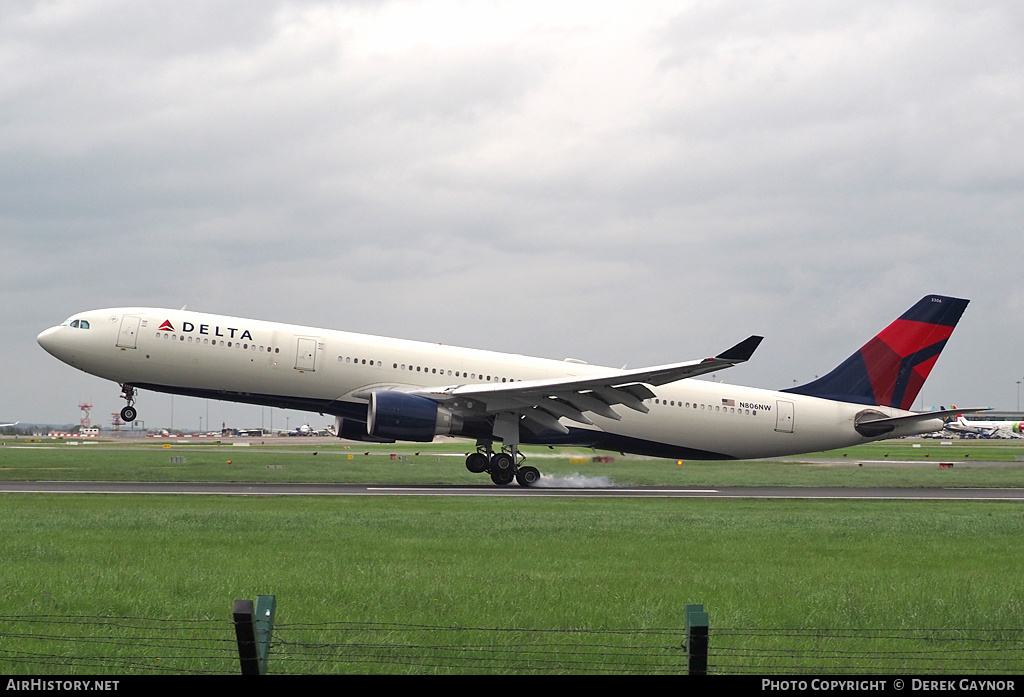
<point x="261" y="489"/>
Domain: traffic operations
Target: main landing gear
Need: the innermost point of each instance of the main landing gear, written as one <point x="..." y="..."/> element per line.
<point x="503" y="466"/>
<point x="129" y="413"/>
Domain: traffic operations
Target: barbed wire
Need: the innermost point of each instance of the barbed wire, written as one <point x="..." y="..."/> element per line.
<point x="66" y="643"/>
<point x="936" y="650"/>
<point x="145" y="645"/>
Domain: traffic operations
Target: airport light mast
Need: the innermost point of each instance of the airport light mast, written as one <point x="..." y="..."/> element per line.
<point x="85" y="422"/>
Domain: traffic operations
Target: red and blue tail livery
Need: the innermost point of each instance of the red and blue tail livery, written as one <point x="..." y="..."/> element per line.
<point x="891" y="368"/>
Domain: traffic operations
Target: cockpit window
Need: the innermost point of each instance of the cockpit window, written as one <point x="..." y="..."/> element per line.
<point x="75" y="324"/>
<point x="80" y="324"/>
<point x="84" y="324"/>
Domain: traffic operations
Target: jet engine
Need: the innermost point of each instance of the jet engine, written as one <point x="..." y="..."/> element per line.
<point x="401" y="416"/>
<point x="353" y="429"/>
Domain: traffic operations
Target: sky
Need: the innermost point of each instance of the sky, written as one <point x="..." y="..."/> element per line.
<point x="623" y="183"/>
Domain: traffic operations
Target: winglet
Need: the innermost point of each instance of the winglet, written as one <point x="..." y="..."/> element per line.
<point x="742" y="351"/>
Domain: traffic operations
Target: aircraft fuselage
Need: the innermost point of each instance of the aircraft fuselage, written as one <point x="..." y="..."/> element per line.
<point x="335" y="372"/>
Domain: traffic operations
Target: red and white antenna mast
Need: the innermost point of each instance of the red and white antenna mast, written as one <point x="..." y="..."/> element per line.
<point x="85" y="422"/>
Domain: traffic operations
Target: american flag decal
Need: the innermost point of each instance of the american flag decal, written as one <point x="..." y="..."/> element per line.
<point x="728" y="402"/>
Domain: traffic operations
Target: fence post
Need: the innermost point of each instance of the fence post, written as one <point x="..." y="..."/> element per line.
<point x="696" y="640"/>
<point x="265" y="607"/>
<point x="245" y="634"/>
<point x="253" y="629"/>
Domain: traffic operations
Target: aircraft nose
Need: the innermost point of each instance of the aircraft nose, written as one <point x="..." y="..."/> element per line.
<point x="48" y="340"/>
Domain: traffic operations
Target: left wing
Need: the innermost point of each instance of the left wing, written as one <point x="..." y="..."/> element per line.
<point x="543" y="402"/>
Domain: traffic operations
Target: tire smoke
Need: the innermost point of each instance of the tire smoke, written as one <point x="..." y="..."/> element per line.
<point x="573" y="481"/>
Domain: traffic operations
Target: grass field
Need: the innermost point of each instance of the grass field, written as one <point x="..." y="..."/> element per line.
<point x="505" y="563"/>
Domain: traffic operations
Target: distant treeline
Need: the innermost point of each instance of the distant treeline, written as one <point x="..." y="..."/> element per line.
<point x="35" y="429"/>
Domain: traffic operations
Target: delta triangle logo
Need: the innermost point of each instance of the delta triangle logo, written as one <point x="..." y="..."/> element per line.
<point x="166" y="326"/>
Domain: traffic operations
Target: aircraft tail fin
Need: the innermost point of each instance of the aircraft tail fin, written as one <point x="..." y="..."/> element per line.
<point x="891" y="368"/>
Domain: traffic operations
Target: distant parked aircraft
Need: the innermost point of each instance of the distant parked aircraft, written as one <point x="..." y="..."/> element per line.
<point x="985" y="429"/>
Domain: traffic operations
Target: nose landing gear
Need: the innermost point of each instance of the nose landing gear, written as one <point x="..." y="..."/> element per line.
<point x="129" y="413"/>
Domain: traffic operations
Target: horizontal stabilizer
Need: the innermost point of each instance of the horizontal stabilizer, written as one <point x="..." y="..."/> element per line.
<point x="872" y="428"/>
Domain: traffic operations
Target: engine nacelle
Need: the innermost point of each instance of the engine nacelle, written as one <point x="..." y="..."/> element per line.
<point x="402" y="416"/>
<point x="353" y="429"/>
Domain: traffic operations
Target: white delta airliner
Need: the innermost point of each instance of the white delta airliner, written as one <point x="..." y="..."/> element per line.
<point x="385" y="390"/>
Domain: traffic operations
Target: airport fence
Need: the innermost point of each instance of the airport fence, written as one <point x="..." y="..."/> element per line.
<point x="252" y="642"/>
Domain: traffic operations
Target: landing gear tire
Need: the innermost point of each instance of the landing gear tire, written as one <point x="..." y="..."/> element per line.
<point x="528" y="476"/>
<point x="476" y="463"/>
<point x="129" y="413"/>
<point x="503" y="462"/>
<point x="502" y="477"/>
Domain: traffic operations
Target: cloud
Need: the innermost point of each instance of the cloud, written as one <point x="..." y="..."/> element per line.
<point x="625" y="185"/>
